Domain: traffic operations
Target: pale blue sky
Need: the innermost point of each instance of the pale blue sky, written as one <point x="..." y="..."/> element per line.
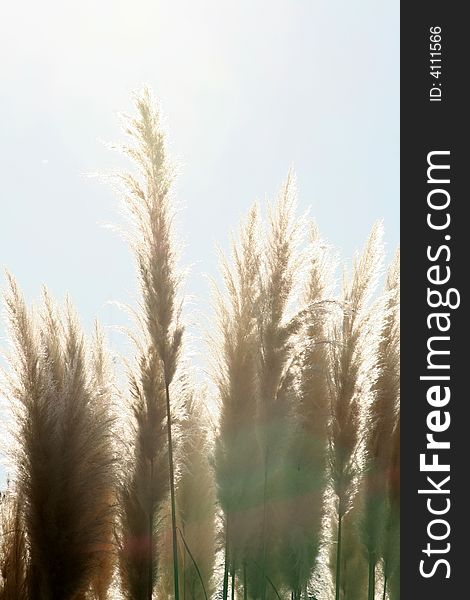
<point x="249" y="88"/>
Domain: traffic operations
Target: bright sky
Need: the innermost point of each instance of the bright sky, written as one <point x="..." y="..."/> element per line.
<point x="249" y="88"/>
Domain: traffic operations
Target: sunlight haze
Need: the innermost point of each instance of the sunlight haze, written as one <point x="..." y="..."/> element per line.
<point x="248" y="89"/>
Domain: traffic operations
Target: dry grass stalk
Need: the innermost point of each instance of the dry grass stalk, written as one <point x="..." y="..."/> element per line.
<point x="103" y="377"/>
<point x="237" y="458"/>
<point x="277" y="329"/>
<point x="352" y="377"/>
<point x="196" y="503"/>
<point x="151" y="207"/>
<point x="146" y="482"/>
<point x="391" y="543"/>
<point x="195" y="500"/>
<point x="304" y="477"/>
<point x="13" y="554"/>
<point x="382" y="422"/>
<point x="296" y="387"/>
<point x="65" y="458"/>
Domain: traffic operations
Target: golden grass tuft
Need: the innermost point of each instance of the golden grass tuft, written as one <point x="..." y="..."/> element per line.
<point x="65" y="460"/>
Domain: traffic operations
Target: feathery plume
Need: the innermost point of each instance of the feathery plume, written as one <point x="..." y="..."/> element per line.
<point x="103" y="380"/>
<point x="196" y="504"/>
<point x="304" y="474"/>
<point x="381" y="424"/>
<point x="351" y="380"/>
<point x="146" y="481"/>
<point x="277" y="330"/>
<point x="195" y="501"/>
<point x="13" y="555"/>
<point x="65" y="458"/>
<point x="151" y="207"/>
<point x="391" y="545"/>
<point x="237" y="460"/>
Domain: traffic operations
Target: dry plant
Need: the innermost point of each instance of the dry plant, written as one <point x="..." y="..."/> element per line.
<point x="65" y="460"/>
<point x="104" y="381"/>
<point x="303" y="464"/>
<point x="352" y="377"/>
<point x="391" y="542"/>
<point x="255" y="385"/>
<point x="304" y="474"/>
<point x="278" y="324"/>
<point x="13" y="555"/>
<point x="237" y="456"/>
<point x="149" y="202"/>
<point x="146" y="480"/>
<point x="382" y="422"/>
<point x="353" y="562"/>
<point x="195" y="502"/>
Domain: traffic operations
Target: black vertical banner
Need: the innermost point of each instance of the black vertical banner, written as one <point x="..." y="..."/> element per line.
<point x="435" y="354"/>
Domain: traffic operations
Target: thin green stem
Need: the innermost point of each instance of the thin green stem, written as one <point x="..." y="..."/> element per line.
<point x="245" y="588"/>
<point x="194" y="563"/>
<point x="225" y="584"/>
<point x="265" y="489"/>
<point x="274" y="587"/>
<point x="270" y="583"/>
<point x="183" y="566"/>
<point x="150" y="542"/>
<point x="371" y="590"/>
<point x="172" y="495"/>
<point x="338" y="559"/>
